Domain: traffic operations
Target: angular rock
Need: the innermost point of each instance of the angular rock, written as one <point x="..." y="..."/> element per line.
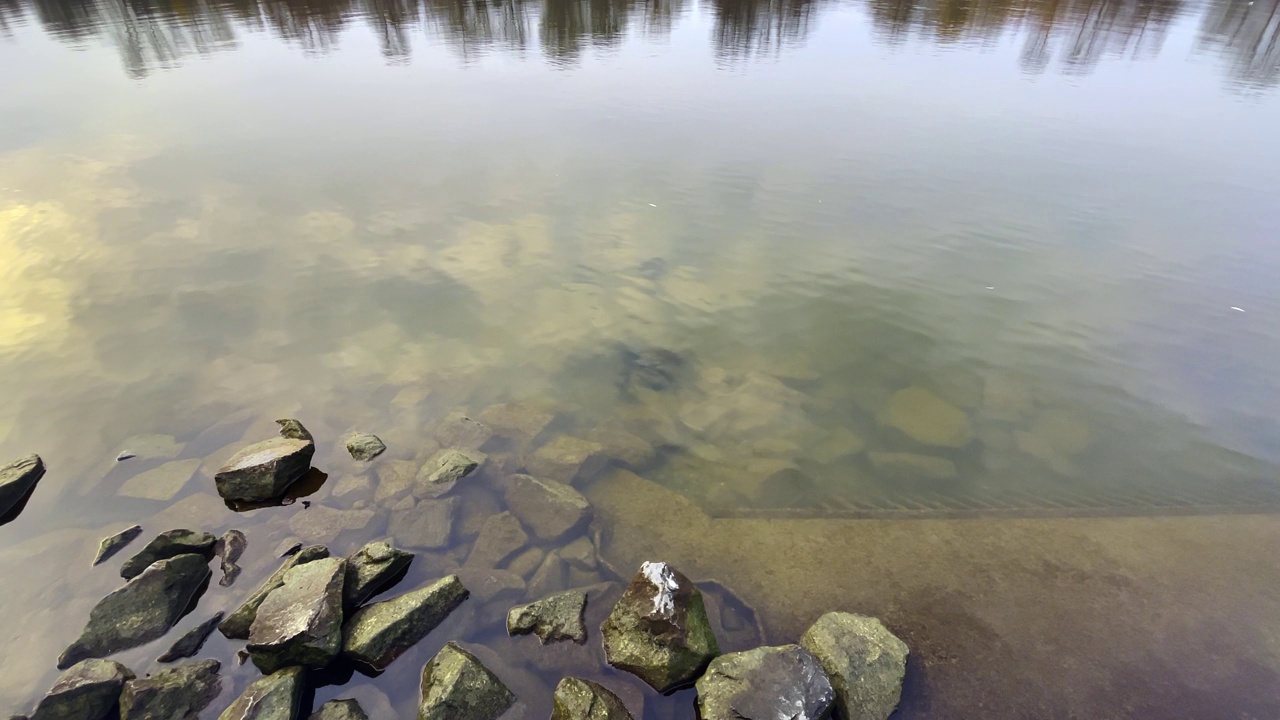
<point x="114" y="544"/>
<point x="551" y="510"/>
<point x="161" y="483"/>
<point x="927" y="418"/>
<point x="551" y="576"/>
<point x="553" y="619"/>
<point x="581" y="554"/>
<point x="321" y="524"/>
<point x="427" y="524"/>
<point x="764" y="684"/>
<point x="395" y="479"/>
<point x="444" y="469"/>
<point x="141" y="611"/>
<point x="517" y="422"/>
<point x="352" y="485"/>
<point x="456" y="686"/>
<point x="300" y="622"/>
<point x="265" y="470"/>
<point x="492" y="585"/>
<point x="191" y="641"/>
<point x="89" y="690"/>
<point x="16" y="480"/>
<point x="865" y="662"/>
<point x="339" y="710"/>
<point x="567" y="459"/>
<point x="625" y="447"/>
<point x="274" y="697"/>
<point x="659" y="630"/>
<point x="169" y="544"/>
<point x="458" y="430"/>
<point x="379" y="633"/>
<point x="578" y="699"/>
<point x="230" y="546"/>
<point x="369" y="569"/>
<point x="365" y="447"/>
<point x="176" y="694"/>
<point x="912" y="466"/>
<point x="526" y="563"/>
<point x="500" y="537"/>
<point x="293" y="430"/>
<point x="152" y="447"/>
<point x="238" y="624"/>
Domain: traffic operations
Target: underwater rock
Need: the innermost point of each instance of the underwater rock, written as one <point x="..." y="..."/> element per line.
<point x="865" y="662"/>
<point x="300" y="622"/>
<point x="619" y="444"/>
<point x="458" y="430"/>
<point x="161" y="483"/>
<point x="151" y="447"/>
<point x="551" y="510"/>
<point x="293" y="430"/>
<point x="191" y="641"/>
<point x="16" y="480"/>
<point x="444" y="469"/>
<point x="395" y="479"/>
<point x="230" y="546"/>
<point x="352" y="485"/>
<point x="492" y="585"/>
<point x="369" y="569"/>
<point x="88" y="690"/>
<point x="365" y="447"/>
<point x="274" y="697"/>
<point x="567" y="459"/>
<point x="115" y="543"/>
<point x="500" y="537"/>
<point x="527" y="562"/>
<point x="379" y="633"/>
<point x="578" y="699"/>
<point x="456" y="686"/>
<point x="551" y="576"/>
<point x="911" y="466"/>
<point x="655" y="369"/>
<point x="340" y="710"/>
<point x="176" y="694"/>
<point x="239" y="623"/>
<point x="265" y="470"/>
<point x="553" y="619"/>
<point x="321" y="524"/>
<point x="926" y="418"/>
<point x="427" y="524"/>
<point x="763" y="684"/>
<point x="171" y="543"/>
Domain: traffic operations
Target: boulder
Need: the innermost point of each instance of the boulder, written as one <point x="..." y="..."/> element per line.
<point x="150" y="447"/>
<point x="491" y="584"/>
<point x="553" y="619"/>
<point x="166" y="545"/>
<point x="88" y="690"/>
<point x="16" y="480"/>
<point x="926" y="418"/>
<point x="659" y="630"/>
<point x="339" y="710"/>
<point x="527" y="562"/>
<point x="395" y="479"/>
<point x="365" y="447"/>
<point x="161" y="483"/>
<point x="230" y="546"/>
<point x="191" y="641"/>
<point x="369" y="569"/>
<point x="625" y="447"/>
<point x="501" y="537"/>
<point x="141" y="611"/>
<point x="357" y="485"/>
<point x="300" y="622"/>
<point x="379" y="633"/>
<point x="456" y="686"/>
<point x="578" y="699"/>
<point x="912" y="466"/>
<point x="519" y="423"/>
<point x="238" y="624"/>
<point x="458" y="430"/>
<point x="427" y="524"/>
<point x="274" y="697"/>
<point x="444" y="469"/>
<point x="567" y="459"/>
<point x="581" y="554"/>
<point x="176" y="694"/>
<point x="293" y="430"/>
<point x="764" y="684"/>
<point x="265" y="470"/>
<point x="321" y="524"/>
<point x="551" y="510"/>
<point x="115" y="543"/>
<point x="865" y="662"/>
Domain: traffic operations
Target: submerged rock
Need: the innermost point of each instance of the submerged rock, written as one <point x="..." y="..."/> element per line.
<point x="265" y="470"/>
<point x="501" y="537"/>
<point x="176" y="694"/>
<point x="229" y="548"/>
<point x="365" y="447"/>
<point x="238" y="624"/>
<point x="456" y="686"/>
<point x="568" y="459"/>
<point x="143" y="610"/>
<point x="659" y="630"/>
<point x="89" y="690"/>
<point x="492" y="585"/>
<point x="16" y="480"/>
<point x="911" y="466"/>
<point x="171" y="543"/>
<point x="377" y="634"/>
<point x="549" y="509"/>
<point x="764" y="684"/>
<point x="553" y="619"/>
<point x="519" y="423"/>
<point x="191" y="641"/>
<point x="274" y="697"/>
<point x="427" y="524"/>
<point x="161" y="483"/>
<point x="578" y="699"/>
<point x="369" y="569"/>
<point x="114" y="544"/>
<point x="322" y="524"/>
<point x="444" y="469"/>
<point x="927" y="418"/>
<point x="300" y="622"/>
<point x="340" y="710"/>
<point x="865" y="662"/>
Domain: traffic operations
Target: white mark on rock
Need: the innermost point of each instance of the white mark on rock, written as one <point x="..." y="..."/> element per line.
<point x="663" y="578"/>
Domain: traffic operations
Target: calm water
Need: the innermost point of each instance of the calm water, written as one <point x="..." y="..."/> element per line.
<point x="825" y="259"/>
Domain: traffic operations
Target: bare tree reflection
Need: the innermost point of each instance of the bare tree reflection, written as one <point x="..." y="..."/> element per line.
<point x="475" y="26"/>
<point x="11" y="16"/>
<point x="745" y="28"/>
<point x="1247" y="34"/>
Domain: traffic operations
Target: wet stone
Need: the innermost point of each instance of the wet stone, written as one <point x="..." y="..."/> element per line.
<point x="230" y="546"/>
<point x="340" y="710"/>
<point x="619" y="444"/>
<point x="369" y="569"/>
<point x="379" y="633"/>
<point x="151" y="447"/>
<point x="501" y="537"/>
<point x="554" y="618"/>
<point x="567" y="459"/>
<point x="293" y="430"/>
<point x="865" y="662"/>
<point x="166" y="545"/>
<point x="551" y="510"/>
<point x="427" y="524"/>
<point x="395" y="479"/>
<point x="926" y="418"/>
<point x="365" y="447"/>
<point x="179" y="693"/>
<point x="161" y="483"/>
<point x="478" y="505"/>
<point x="352" y="485"/>
<point x="321" y="524"/>
<point x="191" y="641"/>
<point x="115" y="543"/>
<point x="88" y="690"/>
<point x="457" y="686"/>
<point x="274" y="697"/>
<point x="265" y="470"/>
<point x="238" y="624"/>
<point x="912" y="466"/>
<point x="300" y="622"/>
<point x="444" y="469"/>
<point x="551" y="576"/>
<point x="520" y="423"/>
<point x="527" y="562"/>
<point x="492" y="585"/>
<point x="581" y="554"/>
<point x="16" y="480"/>
<point x="578" y="699"/>
<point x="458" y="430"/>
<point x="763" y="684"/>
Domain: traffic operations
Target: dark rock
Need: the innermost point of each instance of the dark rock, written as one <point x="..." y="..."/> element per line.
<point x="166" y="545"/>
<point x="275" y="697"/>
<point x="300" y="622"/>
<point x="16" y="480"/>
<point x="651" y="369"/>
<point x="369" y="569"/>
<point x="141" y="611"/>
<point x="264" y="471"/>
<point x="491" y="584"/>
<point x="551" y="510"/>
<point x="379" y="633"/>
<point x="659" y="630"/>
<point x="553" y="619"/>
<point x="500" y="537"/>
<point x="238" y="624"/>
<point x="114" y="544"/>
<point x="764" y="684"/>
<point x="191" y="641"/>
<point x="229" y="548"/>
<point x="456" y="686"/>
<point x="293" y="549"/>
<point x="578" y="699"/>
<point x="427" y="524"/>
<point x="293" y="430"/>
<point x="365" y="447"/>
<point x="865" y="662"/>
<point x="444" y="469"/>
<point x="339" y="710"/>
<point x="89" y="690"/>
<point x="176" y="694"/>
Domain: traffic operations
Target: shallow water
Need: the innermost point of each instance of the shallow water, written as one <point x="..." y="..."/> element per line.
<point x="829" y="260"/>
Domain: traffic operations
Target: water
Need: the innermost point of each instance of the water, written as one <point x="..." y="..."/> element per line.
<point x="977" y="297"/>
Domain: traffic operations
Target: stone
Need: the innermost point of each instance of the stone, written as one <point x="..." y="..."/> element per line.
<point x="230" y="546"/>
<point x="265" y="470"/>
<point x="581" y="554"/>
<point x="553" y="619"/>
<point x="444" y="469"/>
<point x="456" y="686"/>
<point x="369" y="569"/>
<point x="115" y="543"/>
<point x="16" y="480"/>
<point x="192" y="640"/>
<point x="151" y="447"/>
<point x="659" y="630"/>
<point x="88" y="690"/>
<point x="551" y="510"/>
<point x="912" y="466"/>
<point x="500" y="537"/>
<point x="321" y="524"/>
<point x="865" y="662"/>
<point x="339" y="710"/>
<point x="379" y="633"/>
<point x="143" y="610"/>
<point x="763" y="684"/>
<point x="300" y="622"/>
<point x="625" y="447"/>
<point x="926" y="418"/>
<point x="274" y="697"/>
<point x="1006" y="397"/>
<point x="551" y="576"/>
<point x="491" y="584"/>
<point x="352" y="485"/>
<point x="567" y="459"/>
<point x="527" y="562"/>
<point x="365" y="447"/>
<point x="238" y="624"/>
<point x="161" y="483"/>
<point x="458" y="430"/>
<point x="179" y="693"/>
<point x="839" y="443"/>
<point x="293" y="430"/>
<point x="1066" y="433"/>
<point x="578" y="699"/>
<point x="478" y="504"/>
<point x="166" y="545"/>
<point x="520" y="423"/>
<point x="395" y="479"/>
<point x="427" y="524"/>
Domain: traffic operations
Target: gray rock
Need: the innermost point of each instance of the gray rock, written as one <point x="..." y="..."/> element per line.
<point x="567" y="459"/>
<point x="764" y="684"/>
<point x="581" y="554"/>
<point x="191" y="641"/>
<point x="293" y="430"/>
<point x="519" y="423"/>
<point x="456" y="686"/>
<point x="161" y="483"/>
<point x="444" y="469"/>
<point x="578" y="699"/>
<point x="274" y="697"/>
<point x="265" y="470"/>
<point x="141" y="611"/>
<point x="551" y="510"/>
<point x="151" y="447"/>
<point x="169" y="544"/>
<point x="238" y="623"/>
<point x="553" y="619"/>
<point x="369" y="569"/>
<point x="659" y="630"/>
<point x="300" y="622"/>
<point x="176" y="694"/>
<point x="16" y="480"/>
<point x="322" y="524"/>
<point x="114" y="544"/>
<point x="340" y="710"/>
<point x="89" y="690"/>
<point x="365" y="447"/>
<point x="427" y="524"/>
<point x="865" y="662"/>
<point x="551" y="576"/>
<point x="229" y="548"/>
<point x="379" y="633"/>
<point x="527" y="562"/>
<point x="492" y="585"/>
<point x="500" y="537"/>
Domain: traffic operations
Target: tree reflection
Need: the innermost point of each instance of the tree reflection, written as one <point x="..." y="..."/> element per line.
<point x="745" y="28"/>
<point x="1247" y="34"/>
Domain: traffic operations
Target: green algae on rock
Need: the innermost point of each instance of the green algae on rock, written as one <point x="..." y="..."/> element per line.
<point x="578" y="699"/>
<point x="340" y="710"/>
<point x="369" y="569"/>
<point x="238" y="624"/>
<point x="300" y="622"/>
<point x="115" y="543"/>
<point x="926" y="418"/>
<point x="457" y="686"/>
<point x="554" y="618"/>
<point x="365" y="447"/>
<point x="264" y="471"/>
<point x="88" y="690"/>
<point x="501" y="537"/>
<point x="763" y="684"/>
<point x="865" y="662"/>
<point x="179" y="693"/>
<point x="550" y="509"/>
<point x="379" y="633"/>
<point x="274" y="697"/>
<point x="170" y="543"/>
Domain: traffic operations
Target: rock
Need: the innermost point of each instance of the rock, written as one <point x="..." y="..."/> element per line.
<point x="369" y="569"/>
<point x="321" y="524"/>
<point x="151" y="447"/>
<point x="927" y="418"/>
<point x="458" y="430"/>
<point x="527" y="562"/>
<point x="551" y="510"/>
<point x="264" y="471"/>
<point x="141" y="611"/>
<point x="551" y="576"/>
<point x="191" y="641"/>
<point x="520" y="423"/>
<point x="911" y="466"/>
<point x="839" y="443"/>
<point x="456" y="686"/>
<point x="293" y="430"/>
<point x="176" y="694"/>
<point x="274" y="697"/>
<point x="379" y="633"/>
<point x="114" y="544"/>
<point x="340" y="710"/>
<point x="865" y="662"/>
<point x="492" y="585"/>
<point x="578" y="699"/>
<point x="619" y="444"/>
<point x="764" y="684"/>
<point x="395" y="479"/>
<point x="500" y="537"/>
<point x="229" y="548"/>
<point x="300" y="622"/>
<point x="1006" y="397"/>
<point x="161" y="483"/>
<point x="427" y="524"/>
<point x="581" y="554"/>
<point x="478" y="504"/>
<point x="89" y="690"/>
<point x="240" y="622"/>
<point x="352" y="485"/>
<point x="444" y="469"/>
<point x="16" y="480"/>
<point x="365" y="447"/>
<point x="658" y="630"/>
<point x="166" y="545"/>
<point x="553" y="619"/>
<point x="568" y="459"/>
